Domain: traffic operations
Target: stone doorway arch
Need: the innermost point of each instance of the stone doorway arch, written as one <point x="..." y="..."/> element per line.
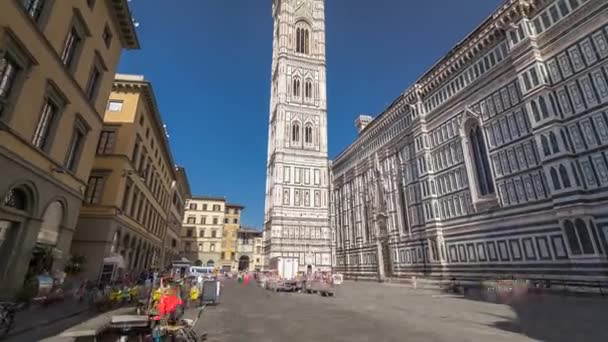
<point x="244" y="263"/>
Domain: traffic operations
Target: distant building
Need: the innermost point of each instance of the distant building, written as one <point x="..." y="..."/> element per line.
<point x="250" y="252"/>
<point x="57" y="64"/>
<point x="232" y="222"/>
<point x="493" y="163"/>
<point x="133" y="189"/>
<point x="203" y="230"/>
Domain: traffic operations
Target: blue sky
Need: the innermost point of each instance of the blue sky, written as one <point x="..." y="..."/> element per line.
<point x="209" y="62"/>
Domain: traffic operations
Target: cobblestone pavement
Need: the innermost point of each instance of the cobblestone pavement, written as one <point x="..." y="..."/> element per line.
<point x="382" y="313"/>
<point x="374" y="312"/>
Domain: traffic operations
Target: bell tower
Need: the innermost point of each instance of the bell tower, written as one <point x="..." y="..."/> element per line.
<point x="296" y="220"/>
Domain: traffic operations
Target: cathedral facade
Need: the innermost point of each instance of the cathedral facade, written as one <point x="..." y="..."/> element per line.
<point x="296" y="222"/>
<point x="493" y="164"/>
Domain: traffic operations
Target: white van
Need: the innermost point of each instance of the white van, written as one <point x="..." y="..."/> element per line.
<point x="204" y="271"/>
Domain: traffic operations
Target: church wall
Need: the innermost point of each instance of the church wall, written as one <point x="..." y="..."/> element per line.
<point x="536" y="91"/>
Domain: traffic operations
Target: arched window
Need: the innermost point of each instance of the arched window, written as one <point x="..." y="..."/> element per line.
<point x="583" y="235"/>
<point x="543" y="107"/>
<point x="565" y="140"/>
<point x="16" y="198"/>
<point x="555" y="179"/>
<point x="576" y="179"/>
<point x="296" y="87"/>
<point x="308" y="89"/>
<point x="565" y="178"/>
<point x="480" y="157"/>
<point x="308" y="134"/>
<point x="535" y="111"/>
<point x="545" y="143"/>
<point x="575" y="246"/>
<point x="554" y="145"/>
<point x="302" y="38"/>
<point x="295" y="132"/>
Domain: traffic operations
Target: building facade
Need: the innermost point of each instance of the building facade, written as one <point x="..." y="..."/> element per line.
<point x="128" y="199"/>
<point x="493" y="164"/>
<point x="180" y="193"/>
<point x="232" y="223"/>
<point x="57" y="63"/>
<point x="250" y="252"/>
<point x="296" y="219"/>
<point x="203" y="230"/>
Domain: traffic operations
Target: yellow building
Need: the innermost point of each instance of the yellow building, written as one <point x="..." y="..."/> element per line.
<point x="203" y="230"/>
<point x="57" y="64"/>
<point x="232" y="222"/>
<point x="133" y="189"/>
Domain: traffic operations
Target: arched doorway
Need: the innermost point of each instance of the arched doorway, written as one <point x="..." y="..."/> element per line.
<point x="198" y="263"/>
<point x="51" y="224"/>
<point x="244" y="263"/>
<point x="19" y="201"/>
<point x="210" y="263"/>
<point x="309" y="269"/>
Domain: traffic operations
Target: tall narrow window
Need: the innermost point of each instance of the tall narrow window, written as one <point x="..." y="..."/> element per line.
<point x="555" y="179"/>
<point x="584" y="237"/>
<point x="302" y="38"/>
<point x="554" y="145"/>
<point x="95" y="189"/>
<point x="106" y="142"/>
<point x="8" y="74"/>
<point x="575" y="246"/>
<point x="136" y="149"/>
<point x="564" y="175"/>
<point x="535" y="111"/>
<point x="308" y="134"/>
<point x="543" y="107"/>
<point x="308" y="90"/>
<point x="78" y="138"/>
<point x="127" y="195"/>
<point x="295" y="132"/>
<point x="33" y="8"/>
<point x="296" y="87"/>
<point x="480" y="158"/>
<point x="41" y="136"/>
<point x="545" y="143"/>
<point x="93" y="85"/>
<point x="72" y="43"/>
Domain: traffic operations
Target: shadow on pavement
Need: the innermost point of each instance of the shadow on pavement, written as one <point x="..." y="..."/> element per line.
<point x="549" y="317"/>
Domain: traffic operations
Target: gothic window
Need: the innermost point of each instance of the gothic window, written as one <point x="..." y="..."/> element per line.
<point x="564" y="175"/>
<point x="554" y="145"/>
<point x="308" y="134"/>
<point x="543" y="107"/>
<point x="555" y="179"/>
<point x="308" y="90"/>
<point x="302" y="38"/>
<point x="545" y="143"/>
<point x="296" y="87"/>
<point x="578" y="237"/>
<point x="535" y="110"/>
<point x="480" y="159"/>
<point x="295" y="132"/>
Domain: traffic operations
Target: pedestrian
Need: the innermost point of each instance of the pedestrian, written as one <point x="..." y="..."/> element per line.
<point x="245" y="279"/>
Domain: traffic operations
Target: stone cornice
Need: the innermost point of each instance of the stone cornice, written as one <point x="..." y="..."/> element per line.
<point x="122" y="16"/>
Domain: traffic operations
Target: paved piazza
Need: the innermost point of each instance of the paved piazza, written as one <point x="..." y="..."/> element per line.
<point x="380" y="313"/>
<point x="373" y="312"/>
